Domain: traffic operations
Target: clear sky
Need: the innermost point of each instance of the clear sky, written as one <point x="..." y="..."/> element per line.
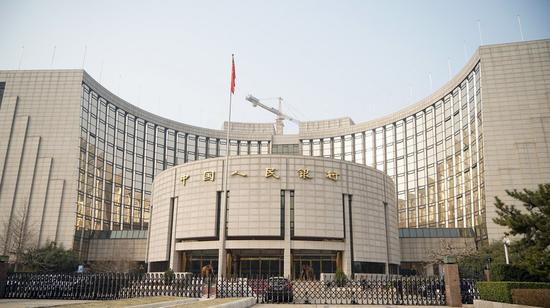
<point x="327" y="59"/>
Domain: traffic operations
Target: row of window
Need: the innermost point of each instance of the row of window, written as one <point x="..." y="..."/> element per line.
<point x="435" y="158"/>
<point x="119" y="156"/>
<point x="436" y="232"/>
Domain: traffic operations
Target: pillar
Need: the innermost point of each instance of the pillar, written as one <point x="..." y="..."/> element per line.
<point x="386" y="232"/>
<point x="347" y="254"/>
<point x="174" y="262"/>
<point x="287" y="261"/>
<point x="222" y="265"/>
<point x="222" y="252"/>
<point x="452" y="285"/>
<point x="287" y="254"/>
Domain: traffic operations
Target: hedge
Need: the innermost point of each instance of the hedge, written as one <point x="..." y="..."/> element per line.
<point x="501" y="291"/>
<point x="509" y="272"/>
<point x="531" y="297"/>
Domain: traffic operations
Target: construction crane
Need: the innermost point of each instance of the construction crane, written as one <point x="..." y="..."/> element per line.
<point x="279" y="125"/>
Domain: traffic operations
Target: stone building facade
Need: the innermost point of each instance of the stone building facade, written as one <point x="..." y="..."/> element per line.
<point x="78" y="162"/>
<point x="283" y="213"/>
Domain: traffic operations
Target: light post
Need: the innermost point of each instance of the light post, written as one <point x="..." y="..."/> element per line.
<point x="506" y="244"/>
<point x="487" y="270"/>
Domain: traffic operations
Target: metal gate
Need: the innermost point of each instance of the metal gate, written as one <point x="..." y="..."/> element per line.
<point x="101" y="286"/>
<point x="468" y="291"/>
<point x="377" y="290"/>
<point x="381" y="290"/>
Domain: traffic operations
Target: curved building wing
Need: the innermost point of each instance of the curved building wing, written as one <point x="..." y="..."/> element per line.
<point x="77" y="163"/>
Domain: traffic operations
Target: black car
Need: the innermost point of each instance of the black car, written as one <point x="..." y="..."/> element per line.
<point x="278" y="289"/>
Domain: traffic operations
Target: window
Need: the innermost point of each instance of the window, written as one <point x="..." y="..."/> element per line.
<point x="212" y="147"/>
<point x="327" y="148"/>
<point x="306" y="147"/>
<point x="348" y="148"/>
<point x="201" y="146"/>
<point x="191" y="147"/>
<point x="359" y="151"/>
<point x="337" y="147"/>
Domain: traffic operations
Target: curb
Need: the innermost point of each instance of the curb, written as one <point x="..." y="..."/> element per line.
<point x="167" y="303"/>
<point x="241" y="303"/>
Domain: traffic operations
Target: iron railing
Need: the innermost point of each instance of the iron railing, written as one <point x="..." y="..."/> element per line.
<point x="378" y="290"/>
<point x="101" y="286"/>
<point x="468" y="290"/>
<point x="381" y="290"/>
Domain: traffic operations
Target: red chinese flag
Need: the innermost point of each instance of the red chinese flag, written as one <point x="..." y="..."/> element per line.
<point x="232" y="74"/>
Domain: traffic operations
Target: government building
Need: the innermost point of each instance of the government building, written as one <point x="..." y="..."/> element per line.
<point x="86" y="169"/>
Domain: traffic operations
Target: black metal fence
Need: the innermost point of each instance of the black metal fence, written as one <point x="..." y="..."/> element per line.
<point x="101" y="286"/>
<point x="379" y="290"/>
<point x="468" y="291"/>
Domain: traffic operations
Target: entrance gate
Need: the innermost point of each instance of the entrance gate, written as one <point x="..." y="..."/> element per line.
<point x="381" y="290"/>
<point x="378" y="290"/>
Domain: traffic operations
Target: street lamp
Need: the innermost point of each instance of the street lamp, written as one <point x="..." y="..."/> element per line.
<point x="506" y="244"/>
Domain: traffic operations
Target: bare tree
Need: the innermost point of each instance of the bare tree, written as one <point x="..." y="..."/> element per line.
<point x="15" y="236"/>
<point x="451" y="248"/>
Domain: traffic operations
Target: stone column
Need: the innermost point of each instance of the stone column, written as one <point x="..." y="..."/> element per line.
<point x="347" y="255"/>
<point x="174" y="263"/>
<point x="287" y="254"/>
<point x="386" y="231"/>
<point x="452" y="285"/>
<point x="222" y="253"/>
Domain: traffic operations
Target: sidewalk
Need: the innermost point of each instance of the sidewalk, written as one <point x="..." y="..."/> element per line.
<point x="347" y="306"/>
<point x="32" y="303"/>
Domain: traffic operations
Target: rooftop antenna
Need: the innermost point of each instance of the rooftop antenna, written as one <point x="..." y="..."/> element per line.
<point x="520" y="28"/>
<point x="84" y="56"/>
<point x="479" y="30"/>
<point x="21" y="57"/>
<point x="53" y="56"/>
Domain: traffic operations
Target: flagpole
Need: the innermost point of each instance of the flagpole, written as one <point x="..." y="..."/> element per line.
<point x="222" y="257"/>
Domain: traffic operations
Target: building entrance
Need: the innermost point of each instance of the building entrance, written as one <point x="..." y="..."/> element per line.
<point x="193" y="261"/>
<point x="250" y="263"/>
<point x="310" y="265"/>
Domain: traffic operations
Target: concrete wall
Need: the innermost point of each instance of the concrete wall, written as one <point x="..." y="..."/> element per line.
<point x="39" y="135"/>
<point x="117" y="249"/>
<point x="39" y="138"/>
<point x="516" y="121"/>
<point x="254" y="209"/>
